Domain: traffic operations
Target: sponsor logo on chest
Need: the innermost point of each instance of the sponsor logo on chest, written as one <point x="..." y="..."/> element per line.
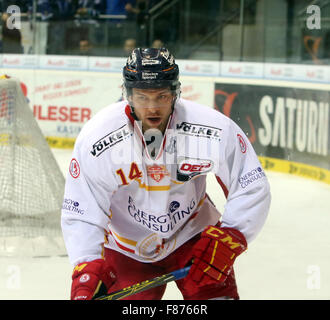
<point x="157" y="172"/>
<point x="199" y="130"/>
<point x="110" y="140"/>
<point x="164" y="223"/>
<point x="191" y="167"/>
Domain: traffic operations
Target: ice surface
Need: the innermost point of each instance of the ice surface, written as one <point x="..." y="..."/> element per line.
<point x="290" y="259"/>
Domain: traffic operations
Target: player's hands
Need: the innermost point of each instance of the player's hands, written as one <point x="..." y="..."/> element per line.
<point x="91" y="279"/>
<point x="214" y="254"/>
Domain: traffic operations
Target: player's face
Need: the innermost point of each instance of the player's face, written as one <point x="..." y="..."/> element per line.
<point x="153" y="107"/>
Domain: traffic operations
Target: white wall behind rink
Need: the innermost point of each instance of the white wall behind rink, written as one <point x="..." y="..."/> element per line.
<point x="65" y="91"/>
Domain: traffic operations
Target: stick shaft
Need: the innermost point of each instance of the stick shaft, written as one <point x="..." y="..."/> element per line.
<point x="146" y="285"/>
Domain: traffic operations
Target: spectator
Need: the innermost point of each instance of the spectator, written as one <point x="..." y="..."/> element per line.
<point x="166" y="25"/>
<point x="129" y="45"/>
<point x="11" y="38"/>
<point x="121" y="23"/>
<point x="141" y="19"/>
<point x="90" y="8"/>
<point x="141" y="11"/>
<point x="45" y="9"/>
<point x="60" y="24"/>
<point x="157" y="43"/>
<point x="88" y="26"/>
<point x="85" y="48"/>
<point x="121" y="8"/>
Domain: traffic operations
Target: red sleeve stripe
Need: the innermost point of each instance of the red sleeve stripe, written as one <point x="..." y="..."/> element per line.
<point x="224" y="188"/>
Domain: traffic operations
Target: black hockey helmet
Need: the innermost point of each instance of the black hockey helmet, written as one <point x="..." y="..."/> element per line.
<point x="151" y="68"/>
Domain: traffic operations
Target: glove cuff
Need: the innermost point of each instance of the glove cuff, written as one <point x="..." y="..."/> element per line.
<point x="229" y="237"/>
<point x="94" y="267"/>
<point x="90" y="279"/>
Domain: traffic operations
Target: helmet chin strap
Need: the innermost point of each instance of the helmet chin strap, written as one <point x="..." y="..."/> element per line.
<point x="133" y="114"/>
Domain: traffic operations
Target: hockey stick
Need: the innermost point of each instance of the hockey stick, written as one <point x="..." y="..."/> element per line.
<point x="146" y="285"/>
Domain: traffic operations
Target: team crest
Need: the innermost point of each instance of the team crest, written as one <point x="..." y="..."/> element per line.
<point x="242" y="143"/>
<point x="157" y="172"/>
<point x="74" y="168"/>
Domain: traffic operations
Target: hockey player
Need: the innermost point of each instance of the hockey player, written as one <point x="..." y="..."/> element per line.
<point x="135" y="204"/>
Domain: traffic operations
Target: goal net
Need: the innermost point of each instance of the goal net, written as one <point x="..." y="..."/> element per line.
<point x="31" y="183"/>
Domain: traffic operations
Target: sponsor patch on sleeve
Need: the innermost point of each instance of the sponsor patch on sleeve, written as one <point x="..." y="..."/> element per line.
<point x="251" y="176"/>
<point x="72" y="206"/>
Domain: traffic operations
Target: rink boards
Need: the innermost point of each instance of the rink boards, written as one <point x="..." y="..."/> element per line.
<point x="283" y="109"/>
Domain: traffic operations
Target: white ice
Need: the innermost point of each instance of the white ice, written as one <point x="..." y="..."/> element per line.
<point x="290" y="258"/>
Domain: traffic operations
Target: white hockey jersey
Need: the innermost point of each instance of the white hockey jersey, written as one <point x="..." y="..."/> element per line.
<point x="145" y="205"/>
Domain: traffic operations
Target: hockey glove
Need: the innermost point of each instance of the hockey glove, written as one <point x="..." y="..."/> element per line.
<point x="91" y="279"/>
<point x="214" y="254"/>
